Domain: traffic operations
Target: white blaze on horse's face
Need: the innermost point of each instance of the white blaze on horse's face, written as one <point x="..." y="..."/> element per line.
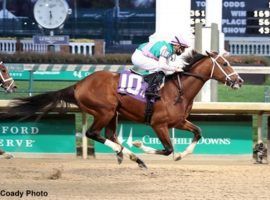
<point x="223" y="71"/>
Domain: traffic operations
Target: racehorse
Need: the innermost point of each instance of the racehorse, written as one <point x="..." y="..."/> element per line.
<point x="6" y="81"/>
<point x="97" y="95"/>
<point x="8" y="84"/>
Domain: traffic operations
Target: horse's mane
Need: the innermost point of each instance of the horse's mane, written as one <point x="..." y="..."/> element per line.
<point x="190" y="57"/>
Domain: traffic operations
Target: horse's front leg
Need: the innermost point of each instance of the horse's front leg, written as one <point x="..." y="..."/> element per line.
<point x="162" y="132"/>
<point x="187" y="125"/>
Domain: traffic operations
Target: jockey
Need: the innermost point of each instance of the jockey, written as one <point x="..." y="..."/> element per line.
<point x="155" y="56"/>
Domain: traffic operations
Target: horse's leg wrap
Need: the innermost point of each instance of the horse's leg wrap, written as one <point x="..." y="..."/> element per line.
<point x="118" y="148"/>
<point x="163" y="135"/>
<point x="150" y="150"/>
<point x="115" y="147"/>
<point x="190" y="148"/>
<point x="144" y="148"/>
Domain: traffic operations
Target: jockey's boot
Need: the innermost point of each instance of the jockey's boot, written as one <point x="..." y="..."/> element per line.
<point x="152" y="95"/>
<point x="154" y="84"/>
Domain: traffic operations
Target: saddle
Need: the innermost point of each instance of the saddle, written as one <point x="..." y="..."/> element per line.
<point x="143" y="87"/>
<point x="154" y="80"/>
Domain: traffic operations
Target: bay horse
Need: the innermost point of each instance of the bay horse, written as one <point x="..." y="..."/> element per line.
<point x="6" y="81"/>
<point x="8" y="84"/>
<point x="97" y="95"/>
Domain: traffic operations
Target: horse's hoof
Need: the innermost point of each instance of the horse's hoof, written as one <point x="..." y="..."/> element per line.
<point x="137" y="144"/>
<point x="141" y="164"/>
<point x="120" y="157"/>
<point x="177" y="157"/>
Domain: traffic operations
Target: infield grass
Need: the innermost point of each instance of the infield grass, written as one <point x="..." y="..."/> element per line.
<point x="248" y="93"/>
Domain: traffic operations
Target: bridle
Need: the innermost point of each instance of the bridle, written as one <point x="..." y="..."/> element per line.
<point x="214" y="65"/>
<point x="4" y="80"/>
<point x="228" y="80"/>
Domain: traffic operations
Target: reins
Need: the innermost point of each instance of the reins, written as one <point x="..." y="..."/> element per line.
<point x="198" y="76"/>
<point x="179" y="84"/>
<point x="215" y="63"/>
<point x="203" y="78"/>
<point x="178" y="99"/>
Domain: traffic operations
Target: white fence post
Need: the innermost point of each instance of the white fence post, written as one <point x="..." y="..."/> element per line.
<point x="84" y="138"/>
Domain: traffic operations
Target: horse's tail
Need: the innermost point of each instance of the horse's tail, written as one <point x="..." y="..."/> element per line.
<point x="41" y="103"/>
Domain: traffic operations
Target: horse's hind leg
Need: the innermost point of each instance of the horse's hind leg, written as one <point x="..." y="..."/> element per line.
<point x="163" y="135"/>
<point x="110" y="133"/>
<point x="94" y="133"/>
<point x="197" y="136"/>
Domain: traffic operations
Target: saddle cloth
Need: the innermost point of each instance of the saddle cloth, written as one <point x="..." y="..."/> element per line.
<point x="132" y="84"/>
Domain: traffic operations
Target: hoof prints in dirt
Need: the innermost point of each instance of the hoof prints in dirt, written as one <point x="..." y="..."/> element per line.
<point x="17" y="173"/>
<point x="55" y="174"/>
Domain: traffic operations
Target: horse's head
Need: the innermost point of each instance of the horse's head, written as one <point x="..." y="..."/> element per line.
<point x="222" y="71"/>
<point x="6" y="81"/>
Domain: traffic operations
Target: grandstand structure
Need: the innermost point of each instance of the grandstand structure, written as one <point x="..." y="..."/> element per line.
<point x="244" y="24"/>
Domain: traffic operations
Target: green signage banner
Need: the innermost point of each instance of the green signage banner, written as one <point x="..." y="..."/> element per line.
<point x="50" y="75"/>
<point x="221" y="135"/>
<point x="51" y="134"/>
<point x="65" y="72"/>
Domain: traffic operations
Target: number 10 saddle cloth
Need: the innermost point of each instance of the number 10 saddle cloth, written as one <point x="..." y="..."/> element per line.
<point x="142" y="88"/>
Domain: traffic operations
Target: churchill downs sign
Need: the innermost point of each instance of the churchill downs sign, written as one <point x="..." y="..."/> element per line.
<point x="221" y="135"/>
<point x="51" y="134"/>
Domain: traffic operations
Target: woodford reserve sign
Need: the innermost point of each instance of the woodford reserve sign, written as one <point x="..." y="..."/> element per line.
<point x="51" y="134"/>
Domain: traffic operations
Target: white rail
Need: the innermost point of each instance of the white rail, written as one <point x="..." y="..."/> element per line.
<point x="259" y="46"/>
<point x="27" y="45"/>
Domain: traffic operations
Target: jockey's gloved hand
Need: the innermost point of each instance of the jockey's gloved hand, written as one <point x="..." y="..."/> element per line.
<point x="178" y="68"/>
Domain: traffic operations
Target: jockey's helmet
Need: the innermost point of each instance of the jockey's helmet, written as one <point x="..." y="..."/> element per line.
<point x="178" y="40"/>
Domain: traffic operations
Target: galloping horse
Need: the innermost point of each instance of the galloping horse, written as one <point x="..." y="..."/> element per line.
<point x="97" y="95"/>
<point x="7" y="83"/>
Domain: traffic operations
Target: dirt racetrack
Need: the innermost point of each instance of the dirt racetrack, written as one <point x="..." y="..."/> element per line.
<point x="102" y="178"/>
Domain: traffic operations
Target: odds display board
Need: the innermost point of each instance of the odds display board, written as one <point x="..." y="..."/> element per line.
<point x="222" y="135"/>
<point x="53" y="134"/>
<point x="239" y="18"/>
